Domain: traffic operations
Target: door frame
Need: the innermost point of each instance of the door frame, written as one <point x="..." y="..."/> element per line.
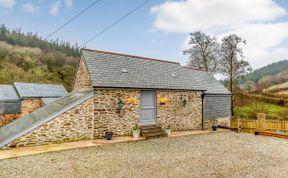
<point x="155" y="107"/>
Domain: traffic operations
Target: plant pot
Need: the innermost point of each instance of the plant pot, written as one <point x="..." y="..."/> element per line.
<point x="108" y="135"/>
<point x="214" y="127"/>
<point x="136" y="133"/>
<point x="168" y="131"/>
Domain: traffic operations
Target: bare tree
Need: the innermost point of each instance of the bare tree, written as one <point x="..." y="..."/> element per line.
<point x="231" y="63"/>
<point x="204" y="52"/>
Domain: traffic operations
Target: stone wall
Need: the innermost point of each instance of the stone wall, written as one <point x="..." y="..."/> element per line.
<point x="76" y="124"/>
<point x="109" y="118"/>
<point x="27" y="106"/>
<point x="175" y="114"/>
<point x="220" y="121"/>
<point x="82" y="80"/>
<point x="30" y="105"/>
<point x="91" y="119"/>
<point x="7" y="118"/>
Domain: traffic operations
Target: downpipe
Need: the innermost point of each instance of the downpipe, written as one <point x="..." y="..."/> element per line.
<point x="202" y="98"/>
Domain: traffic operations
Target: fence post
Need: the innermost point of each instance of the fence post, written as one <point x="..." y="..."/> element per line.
<point x="239" y="125"/>
<point x="284" y="125"/>
<point x="261" y="118"/>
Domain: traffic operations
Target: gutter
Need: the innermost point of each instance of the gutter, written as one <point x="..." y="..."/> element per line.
<point x="10" y="101"/>
<point x="139" y="88"/>
<point x="219" y="94"/>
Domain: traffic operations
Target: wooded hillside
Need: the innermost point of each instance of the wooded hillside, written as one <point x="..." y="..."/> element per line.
<point x="271" y="69"/>
<point x="29" y="58"/>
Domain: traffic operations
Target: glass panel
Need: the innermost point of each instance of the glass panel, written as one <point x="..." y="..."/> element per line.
<point x="148" y="115"/>
<point x="147" y="99"/>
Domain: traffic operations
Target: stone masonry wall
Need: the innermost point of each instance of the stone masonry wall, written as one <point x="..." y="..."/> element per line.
<point x="30" y="105"/>
<point x="220" y="121"/>
<point x="7" y="118"/>
<point x="109" y="118"/>
<point x="27" y="106"/>
<point x="76" y="124"/>
<point x="177" y="116"/>
<point x="82" y="80"/>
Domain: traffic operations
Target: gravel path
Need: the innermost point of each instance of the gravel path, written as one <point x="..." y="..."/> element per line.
<point x="225" y="154"/>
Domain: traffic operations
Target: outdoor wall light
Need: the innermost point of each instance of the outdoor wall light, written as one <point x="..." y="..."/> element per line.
<point x="163" y="100"/>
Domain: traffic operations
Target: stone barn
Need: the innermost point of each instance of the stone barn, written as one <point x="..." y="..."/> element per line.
<point x="114" y="92"/>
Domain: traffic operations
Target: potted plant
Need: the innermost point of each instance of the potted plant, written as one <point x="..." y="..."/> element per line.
<point x="214" y="127"/>
<point x="109" y="135"/>
<point x="136" y="131"/>
<point x="168" y="130"/>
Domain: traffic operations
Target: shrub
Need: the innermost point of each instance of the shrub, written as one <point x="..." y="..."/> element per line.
<point x="283" y="114"/>
<point x="241" y="99"/>
<point x="257" y="107"/>
<point x="277" y="101"/>
<point x="3" y="53"/>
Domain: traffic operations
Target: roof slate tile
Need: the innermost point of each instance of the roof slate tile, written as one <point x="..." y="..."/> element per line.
<point x="8" y="93"/>
<point x="33" y="90"/>
<point x="105" y="69"/>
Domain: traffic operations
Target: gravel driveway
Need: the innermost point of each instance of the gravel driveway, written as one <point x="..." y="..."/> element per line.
<point x="225" y="154"/>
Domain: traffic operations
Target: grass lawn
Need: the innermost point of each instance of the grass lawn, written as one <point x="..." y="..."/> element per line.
<point x="271" y="110"/>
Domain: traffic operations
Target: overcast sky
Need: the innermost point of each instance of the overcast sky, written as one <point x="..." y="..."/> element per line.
<point x="161" y="28"/>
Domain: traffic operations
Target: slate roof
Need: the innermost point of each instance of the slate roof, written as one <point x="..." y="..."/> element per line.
<point x="8" y="93"/>
<point x="48" y="100"/>
<point x="33" y="90"/>
<point x="116" y="70"/>
<point x="209" y="83"/>
<point x="41" y="116"/>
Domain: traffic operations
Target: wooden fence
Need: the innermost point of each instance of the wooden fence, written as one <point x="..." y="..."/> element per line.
<point x="263" y="125"/>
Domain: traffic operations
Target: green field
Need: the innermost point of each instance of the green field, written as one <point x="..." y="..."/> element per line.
<point x="250" y="110"/>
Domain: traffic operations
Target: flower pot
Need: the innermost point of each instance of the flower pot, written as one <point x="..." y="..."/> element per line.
<point x="136" y="133"/>
<point x="214" y="127"/>
<point x="168" y="131"/>
<point x="108" y="135"/>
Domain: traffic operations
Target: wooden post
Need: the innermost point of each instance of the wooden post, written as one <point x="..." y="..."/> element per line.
<point x="284" y="126"/>
<point x="239" y="125"/>
<point x="261" y="119"/>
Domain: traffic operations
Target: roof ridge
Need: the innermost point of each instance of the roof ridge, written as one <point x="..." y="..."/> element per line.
<point x="203" y="70"/>
<point x="37" y="83"/>
<point x="5" y="85"/>
<point x="128" y="55"/>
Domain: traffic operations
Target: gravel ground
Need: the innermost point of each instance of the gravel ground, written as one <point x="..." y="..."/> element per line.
<point x="225" y="154"/>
